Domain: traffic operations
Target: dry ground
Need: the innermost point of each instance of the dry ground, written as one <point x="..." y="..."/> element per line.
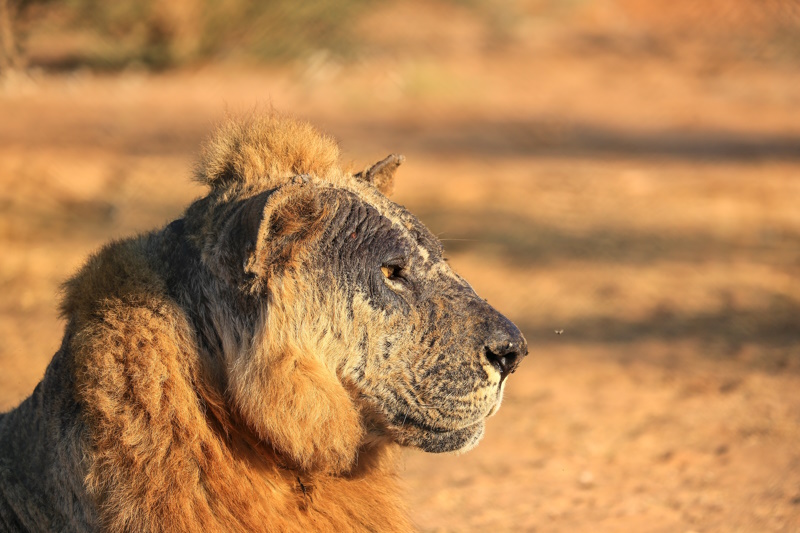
<point x="647" y="206"/>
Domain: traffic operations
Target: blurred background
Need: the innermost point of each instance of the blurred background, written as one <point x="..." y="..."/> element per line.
<point x="627" y="171"/>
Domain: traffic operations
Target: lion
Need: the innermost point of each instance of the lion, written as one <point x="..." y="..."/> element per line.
<point x="257" y="364"/>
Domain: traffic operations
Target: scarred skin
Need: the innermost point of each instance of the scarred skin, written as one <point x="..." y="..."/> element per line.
<point x="255" y="365"/>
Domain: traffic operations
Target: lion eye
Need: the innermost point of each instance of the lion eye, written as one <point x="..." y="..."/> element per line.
<point x="392" y="272"/>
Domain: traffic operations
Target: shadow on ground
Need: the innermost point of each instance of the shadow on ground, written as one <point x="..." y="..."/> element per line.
<point x="774" y="326"/>
<point x="534" y="137"/>
<point x="530" y="242"/>
<point x="552" y="137"/>
<point x="527" y="243"/>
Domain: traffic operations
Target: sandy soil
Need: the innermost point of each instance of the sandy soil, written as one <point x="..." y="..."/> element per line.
<point x="647" y="206"/>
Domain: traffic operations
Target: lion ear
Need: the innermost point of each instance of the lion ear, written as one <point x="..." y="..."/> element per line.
<point x="270" y="231"/>
<point x="381" y="174"/>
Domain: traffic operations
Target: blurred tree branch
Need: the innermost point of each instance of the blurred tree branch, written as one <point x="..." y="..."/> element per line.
<point x="10" y="58"/>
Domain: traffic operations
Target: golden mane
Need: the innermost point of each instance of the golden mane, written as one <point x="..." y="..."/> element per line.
<point x="264" y="149"/>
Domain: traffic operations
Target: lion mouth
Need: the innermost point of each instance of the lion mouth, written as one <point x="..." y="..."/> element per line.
<point x="448" y="432"/>
<point x="405" y="420"/>
<point x="410" y="431"/>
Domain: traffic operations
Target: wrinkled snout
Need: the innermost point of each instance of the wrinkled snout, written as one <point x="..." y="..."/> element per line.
<point x="504" y="344"/>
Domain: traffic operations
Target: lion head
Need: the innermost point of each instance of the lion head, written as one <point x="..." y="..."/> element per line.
<point x="336" y="321"/>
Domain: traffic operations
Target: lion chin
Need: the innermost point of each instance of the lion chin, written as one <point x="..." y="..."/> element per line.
<point x="436" y="440"/>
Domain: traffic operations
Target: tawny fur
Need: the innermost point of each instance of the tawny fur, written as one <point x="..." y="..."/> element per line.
<point x="209" y="382"/>
<point x="263" y="149"/>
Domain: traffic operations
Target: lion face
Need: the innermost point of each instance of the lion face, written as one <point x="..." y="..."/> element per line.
<point x="351" y="327"/>
<point x="424" y="355"/>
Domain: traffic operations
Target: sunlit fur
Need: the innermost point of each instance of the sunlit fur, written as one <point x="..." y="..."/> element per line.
<point x="249" y="367"/>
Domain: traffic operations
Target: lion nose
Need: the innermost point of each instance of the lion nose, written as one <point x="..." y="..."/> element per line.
<point x="505" y="348"/>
